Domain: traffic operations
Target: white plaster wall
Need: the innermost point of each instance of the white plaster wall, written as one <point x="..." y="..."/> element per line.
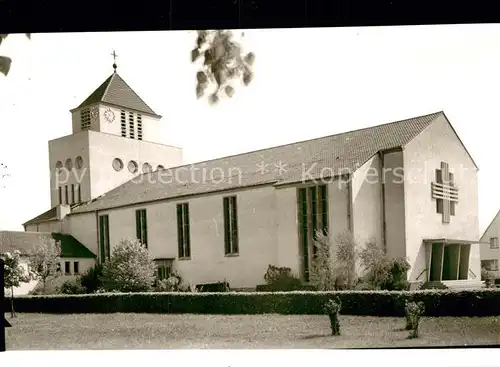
<point x="393" y="178"/>
<point x="366" y="203"/>
<point x="422" y="156"/>
<point x="50" y="226"/>
<point x="104" y="148"/>
<point x="257" y="236"/>
<point x="84" y="228"/>
<point x="84" y="265"/>
<point x="60" y="149"/>
<point x="287" y="229"/>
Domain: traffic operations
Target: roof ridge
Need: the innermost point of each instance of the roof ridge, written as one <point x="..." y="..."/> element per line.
<point x="300" y="141"/>
<point x="107" y="86"/>
<point x="133" y="91"/>
<point x="420" y="121"/>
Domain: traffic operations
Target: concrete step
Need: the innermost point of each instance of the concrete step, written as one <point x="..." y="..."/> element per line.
<point x="464" y="284"/>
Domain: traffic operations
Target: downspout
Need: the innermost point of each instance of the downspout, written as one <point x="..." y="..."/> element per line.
<point x="382" y="195"/>
<point x="350" y="219"/>
<point x="97" y="232"/>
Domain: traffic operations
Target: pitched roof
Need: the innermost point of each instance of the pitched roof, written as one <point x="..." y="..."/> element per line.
<point x="23" y="241"/>
<point x="117" y="92"/>
<point x="324" y="157"/>
<point x="495" y="218"/>
<point x="50" y="214"/>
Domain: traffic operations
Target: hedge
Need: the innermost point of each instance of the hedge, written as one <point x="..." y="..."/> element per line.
<point x="375" y="303"/>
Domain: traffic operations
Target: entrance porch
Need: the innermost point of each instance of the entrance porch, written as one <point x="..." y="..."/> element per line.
<point x="448" y="264"/>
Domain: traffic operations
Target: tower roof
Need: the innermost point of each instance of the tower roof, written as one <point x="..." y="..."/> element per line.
<point x="117" y="92"/>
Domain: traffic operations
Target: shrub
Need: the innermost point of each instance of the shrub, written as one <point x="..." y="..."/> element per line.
<point x="323" y="268"/>
<point x="281" y="279"/>
<point x="91" y="280"/>
<point x="484" y="302"/>
<point x="332" y="309"/>
<point x="171" y="284"/>
<point x="72" y="287"/>
<point x="213" y="287"/>
<point x="413" y="311"/>
<point x="130" y="268"/>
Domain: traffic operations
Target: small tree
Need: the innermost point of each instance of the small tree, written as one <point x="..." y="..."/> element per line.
<point x="14" y="275"/>
<point x="45" y="260"/>
<point x="130" y="268"/>
<point x="323" y="269"/>
<point x="332" y="309"/>
<point x="346" y="257"/>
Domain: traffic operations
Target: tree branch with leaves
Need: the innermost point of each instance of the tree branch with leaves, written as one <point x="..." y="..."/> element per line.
<point x="45" y="260"/>
<point x="14" y="275"/>
<point x="6" y="62"/>
<point x="223" y="62"/>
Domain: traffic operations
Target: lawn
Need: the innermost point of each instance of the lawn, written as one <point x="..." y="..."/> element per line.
<point x="152" y="331"/>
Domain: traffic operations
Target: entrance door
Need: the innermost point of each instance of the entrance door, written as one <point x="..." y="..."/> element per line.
<point x="463" y="272"/>
<point x="436" y="262"/>
<point x="451" y="262"/>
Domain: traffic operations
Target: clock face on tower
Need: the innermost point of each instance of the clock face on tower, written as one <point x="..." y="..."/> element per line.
<point x="109" y="115"/>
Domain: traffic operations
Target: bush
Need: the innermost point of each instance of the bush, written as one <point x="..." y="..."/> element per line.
<point x="130" y="268"/>
<point x="91" y="280"/>
<point x="484" y="302"/>
<point x="281" y="279"/>
<point x="73" y="287"/>
<point x="332" y="309"/>
<point x="213" y="287"/>
<point x="413" y="311"/>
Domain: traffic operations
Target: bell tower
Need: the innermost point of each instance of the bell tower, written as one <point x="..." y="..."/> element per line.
<point x="115" y="137"/>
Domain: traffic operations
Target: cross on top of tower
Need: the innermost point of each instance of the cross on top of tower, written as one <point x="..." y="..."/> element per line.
<point x="114" y="60"/>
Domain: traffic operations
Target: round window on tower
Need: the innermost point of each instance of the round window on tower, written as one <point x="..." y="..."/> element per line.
<point x="160" y="167"/>
<point x="69" y="164"/>
<point x="146" y="168"/>
<point x="132" y="166"/>
<point x="59" y="165"/>
<point x="79" y="162"/>
<point x="117" y="164"/>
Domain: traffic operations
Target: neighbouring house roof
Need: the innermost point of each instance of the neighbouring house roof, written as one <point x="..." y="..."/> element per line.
<point x="23" y="241"/>
<point x="49" y="215"/>
<point x="117" y="92"/>
<point x="312" y="159"/>
<point x="495" y="218"/>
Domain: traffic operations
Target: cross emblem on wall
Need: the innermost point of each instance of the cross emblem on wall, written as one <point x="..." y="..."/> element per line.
<point x="445" y="192"/>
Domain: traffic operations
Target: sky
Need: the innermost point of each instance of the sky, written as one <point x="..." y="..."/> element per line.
<point x="308" y="83"/>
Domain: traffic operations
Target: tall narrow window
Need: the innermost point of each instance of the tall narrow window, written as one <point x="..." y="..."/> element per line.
<point x="139" y="126"/>
<point x="183" y="239"/>
<point x="313" y="218"/>
<point x="76" y="267"/>
<point x="72" y="193"/>
<point x="494" y="243"/>
<point x="85" y="119"/>
<point x="131" y="125"/>
<point x="230" y="226"/>
<point x="123" y="121"/>
<point x="79" y="196"/>
<point x="66" y="194"/>
<point x="60" y="195"/>
<point x="104" y="237"/>
<point x="141" y="226"/>
<point x="67" y="267"/>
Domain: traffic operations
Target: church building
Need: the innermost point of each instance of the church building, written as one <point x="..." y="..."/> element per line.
<point x="410" y="186"/>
